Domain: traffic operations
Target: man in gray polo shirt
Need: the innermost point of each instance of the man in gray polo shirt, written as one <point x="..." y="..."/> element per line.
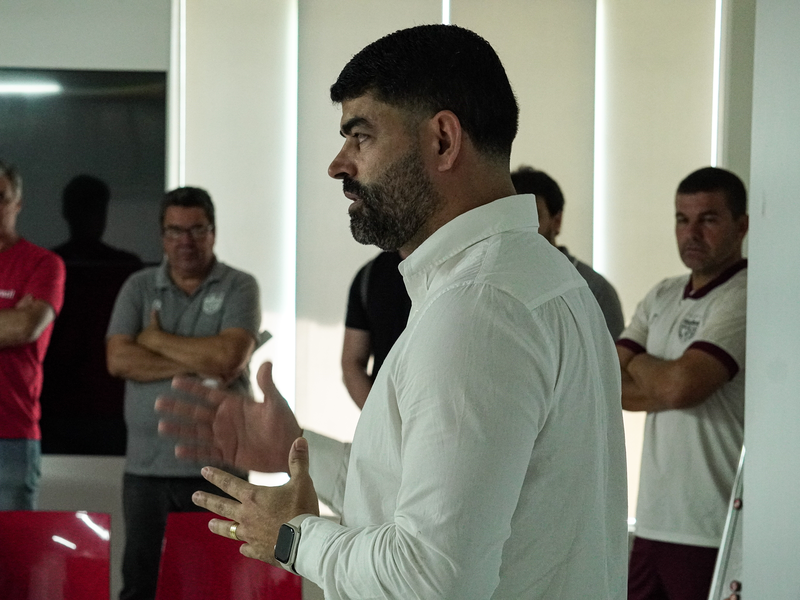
<point x="190" y="315"/>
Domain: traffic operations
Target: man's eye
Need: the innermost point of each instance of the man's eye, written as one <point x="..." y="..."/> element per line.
<point x="361" y="137"/>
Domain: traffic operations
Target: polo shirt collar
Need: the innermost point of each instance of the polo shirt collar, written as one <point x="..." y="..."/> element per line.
<point x="501" y="215"/>
<point x="164" y="281"/>
<point x="714" y="283"/>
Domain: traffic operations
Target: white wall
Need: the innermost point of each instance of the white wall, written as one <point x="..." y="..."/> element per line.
<point x="240" y="145"/>
<point x="547" y="48"/>
<point x="772" y="487"/>
<point x="90" y="34"/>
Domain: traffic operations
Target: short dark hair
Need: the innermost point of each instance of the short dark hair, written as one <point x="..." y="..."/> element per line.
<point x="12" y="173"/>
<point x="714" y="179"/>
<point x="430" y="68"/>
<point x="84" y="193"/>
<point x="188" y="197"/>
<point x="528" y="180"/>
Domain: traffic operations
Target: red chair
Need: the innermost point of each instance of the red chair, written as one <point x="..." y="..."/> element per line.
<point x="54" y="555"/>
<point x="197" y="564"/>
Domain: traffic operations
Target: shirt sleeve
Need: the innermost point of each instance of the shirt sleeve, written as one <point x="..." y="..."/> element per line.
<point x="47" y="281"/>
<point x="243" y="306"/>
<point x="328" y="460"/>
<point x="356" y="317"/>
<point x="472" y="402"/>
<point x="609" y="303"/>
<point x="126" y="317"/>
<point x="723" y="330"/>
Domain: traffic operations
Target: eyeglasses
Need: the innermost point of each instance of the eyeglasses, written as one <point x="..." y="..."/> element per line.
<point x="198" y="232"/>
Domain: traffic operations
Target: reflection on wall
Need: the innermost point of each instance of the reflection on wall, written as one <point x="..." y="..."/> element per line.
<point x="111" y="125"/>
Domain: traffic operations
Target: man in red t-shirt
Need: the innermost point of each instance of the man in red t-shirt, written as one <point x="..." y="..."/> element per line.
<point x="31" y="294"/>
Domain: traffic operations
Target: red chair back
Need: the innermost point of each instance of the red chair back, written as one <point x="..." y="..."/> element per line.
<point x="197" y="564"/>
<point x="54" y="555"/>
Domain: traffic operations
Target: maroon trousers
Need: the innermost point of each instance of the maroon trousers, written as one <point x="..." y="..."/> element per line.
<point x="665" y="571"/>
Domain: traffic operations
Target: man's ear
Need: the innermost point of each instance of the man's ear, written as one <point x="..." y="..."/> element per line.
<point x="744" y="224"/>
<point x="446" y="139"/>
<point x="556" y="221"/>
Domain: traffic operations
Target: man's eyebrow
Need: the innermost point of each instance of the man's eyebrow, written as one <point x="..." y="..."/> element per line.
<point x="347" y="127"/>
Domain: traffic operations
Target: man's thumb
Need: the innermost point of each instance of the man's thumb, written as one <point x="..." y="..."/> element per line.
<point x="298" y="458"/>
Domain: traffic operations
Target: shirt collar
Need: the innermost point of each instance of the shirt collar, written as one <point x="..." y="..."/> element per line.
<point x="471" y="227"/>
<point x="164" y="281"/>
<point x="714" y="283"/>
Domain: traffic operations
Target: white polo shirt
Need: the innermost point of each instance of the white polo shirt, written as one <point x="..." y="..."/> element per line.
<point x="690" y="455"/>
<point x="489" y="459"/>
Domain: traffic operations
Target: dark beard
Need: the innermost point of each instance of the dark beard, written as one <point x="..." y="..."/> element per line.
<point x="394" y="208"/>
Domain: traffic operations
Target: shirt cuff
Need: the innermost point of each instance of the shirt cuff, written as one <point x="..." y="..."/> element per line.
<point x="314" y="539"/>
<point x="634" y="347"/>
<point x="328" y="460"/>
<point x="721" y="355"/>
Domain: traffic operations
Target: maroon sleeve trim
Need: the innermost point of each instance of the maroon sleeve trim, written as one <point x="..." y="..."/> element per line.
<point x="726" y="359"/>
<point x="634" y="347"/>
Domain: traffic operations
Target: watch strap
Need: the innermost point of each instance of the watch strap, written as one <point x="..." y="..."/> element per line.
<point x="296" y="525"/>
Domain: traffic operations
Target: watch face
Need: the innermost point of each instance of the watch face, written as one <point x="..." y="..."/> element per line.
<point x="283" y="549"/>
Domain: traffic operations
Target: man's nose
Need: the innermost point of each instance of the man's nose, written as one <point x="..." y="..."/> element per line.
<point x="341" y="167"/>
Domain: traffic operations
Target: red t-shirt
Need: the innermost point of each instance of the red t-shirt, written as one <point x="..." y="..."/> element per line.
<point x="26" y="269"/>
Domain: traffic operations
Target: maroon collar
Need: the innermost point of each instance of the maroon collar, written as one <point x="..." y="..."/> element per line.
<point x="716" y="282"/>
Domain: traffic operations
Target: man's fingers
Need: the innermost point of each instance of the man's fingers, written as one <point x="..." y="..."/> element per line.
<point x="224" y="507"/>
<point x="185" y="411"/>
<point x="195" y="387"/>
<point x="198" y="453"/>
<point x="230" y="484"/>
<point x="223" y="528"/>
<point x="298" y="458"/>
<point x="186" y="432"/>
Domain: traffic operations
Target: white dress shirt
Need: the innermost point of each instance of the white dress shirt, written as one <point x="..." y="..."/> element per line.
<point x="489" y="460"/>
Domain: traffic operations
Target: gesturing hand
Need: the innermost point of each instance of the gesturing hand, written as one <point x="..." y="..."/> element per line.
<point x="230" y="428"/>
<point x="260" y="511"/>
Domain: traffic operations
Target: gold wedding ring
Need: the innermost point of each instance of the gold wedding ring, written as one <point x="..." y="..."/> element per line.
<point x="234" y="527"/>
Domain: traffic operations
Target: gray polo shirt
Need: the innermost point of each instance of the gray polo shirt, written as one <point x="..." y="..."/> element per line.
<point x="227" y="298"/>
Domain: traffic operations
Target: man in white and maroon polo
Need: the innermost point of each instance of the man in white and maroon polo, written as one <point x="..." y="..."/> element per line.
<point x="682" y="360"/>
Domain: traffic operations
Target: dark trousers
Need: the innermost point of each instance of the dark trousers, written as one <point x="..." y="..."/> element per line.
<point x="665" y="571"/>
<point x="146" y="502"/>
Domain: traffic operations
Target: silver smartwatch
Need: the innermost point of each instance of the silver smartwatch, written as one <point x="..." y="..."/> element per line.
<point x="288" y="541"/>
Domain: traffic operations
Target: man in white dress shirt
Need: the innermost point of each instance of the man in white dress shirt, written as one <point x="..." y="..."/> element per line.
<point x="489" y="460"/>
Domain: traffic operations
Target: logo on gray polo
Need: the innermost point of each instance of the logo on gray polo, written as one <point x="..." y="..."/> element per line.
<point x="687" y="329"/>
<point x="156" y="304"/>
<point x="212" y="303"/>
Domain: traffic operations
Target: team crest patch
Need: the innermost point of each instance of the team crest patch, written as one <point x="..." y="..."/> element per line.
<point x="212" y="303"/>
<point x="687" y="329"/>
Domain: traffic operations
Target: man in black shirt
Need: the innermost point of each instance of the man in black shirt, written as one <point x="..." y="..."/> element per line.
<point x="377" y="311"/>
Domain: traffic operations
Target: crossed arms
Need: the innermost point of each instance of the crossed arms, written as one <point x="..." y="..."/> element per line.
<point x="154" y="354"/>
<point x="25" y="322"/>
<point x="652" y="384"/>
